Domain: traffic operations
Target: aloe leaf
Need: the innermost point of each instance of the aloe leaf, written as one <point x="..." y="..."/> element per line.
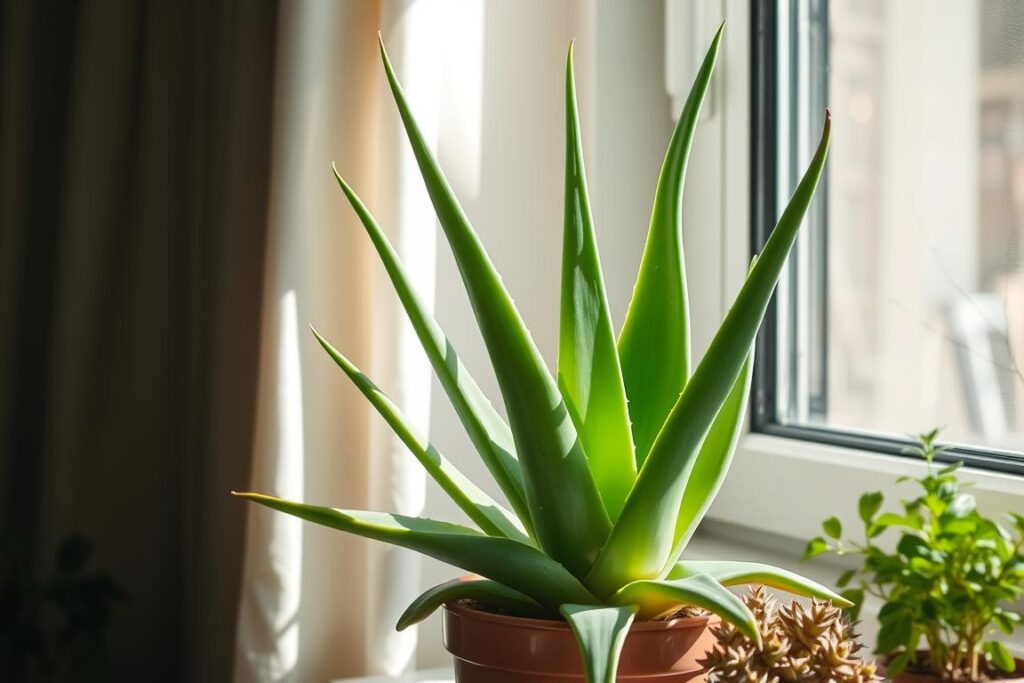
<point x="588" y="364"/>
<point x="490" y="516"/>
<point x="654" y="345"/>
<point x="643" y="539"/>
<point x="600" y="633"/>
<point x="516" y="565"/>
<point x="565" y="506"/>
<point x="486" y="591"/>
<point x="714" y="459"/>
<point x="488" y="432"/>
<point x="741" y="573"/>
<point x="659" y="598"/>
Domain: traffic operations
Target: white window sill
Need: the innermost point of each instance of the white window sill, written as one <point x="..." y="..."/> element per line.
<point x="788" y="486"/>
<point x="429" y="676"/>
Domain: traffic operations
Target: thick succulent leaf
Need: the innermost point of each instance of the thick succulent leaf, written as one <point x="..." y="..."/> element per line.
<point x="491" y="593"/>
<point x="565" y="506"/>
<point x="489" y="515"/>
<point x="740" y="573"/>
<point x="600" y="633"/>
<point x="488" y="432"/>
<point x="714" y="459"/>
<point x="643" y="539"/>
<point x="654" y="344"/>
<point x="588" y="364"/>
<point x="516" y="565"/>
<point x="659" y="598"/>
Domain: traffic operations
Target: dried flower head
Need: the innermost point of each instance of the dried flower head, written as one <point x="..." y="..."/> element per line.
<point x="799" y="644"/>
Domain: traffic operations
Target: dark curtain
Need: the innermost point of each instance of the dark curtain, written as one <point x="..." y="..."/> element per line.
<point x="134" y="163"/>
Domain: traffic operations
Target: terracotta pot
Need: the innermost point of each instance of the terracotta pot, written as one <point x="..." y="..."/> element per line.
<point x="493" y="648"/>
<point x="911" y="677"/>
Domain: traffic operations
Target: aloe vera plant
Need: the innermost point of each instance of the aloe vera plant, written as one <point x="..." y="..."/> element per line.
<point x="609" y="466"/>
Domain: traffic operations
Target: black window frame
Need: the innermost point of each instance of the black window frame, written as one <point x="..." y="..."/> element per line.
<point x="763" y="203"/>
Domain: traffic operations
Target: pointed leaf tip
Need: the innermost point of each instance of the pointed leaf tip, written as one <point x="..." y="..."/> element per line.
<point x="489" y="515"/>
<point x="483" y="590"/>
<point x="516" y="565"/>
<point x="554" y="466"/>
<point x="654" y="343"/>
<point x="589" y="374"/>
<point x="742" y="573"/>
<point x="635" y="547"/>
<point x="655" y="598"/>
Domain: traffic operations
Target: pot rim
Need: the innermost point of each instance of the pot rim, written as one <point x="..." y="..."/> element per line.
<point x="552" y="625"/>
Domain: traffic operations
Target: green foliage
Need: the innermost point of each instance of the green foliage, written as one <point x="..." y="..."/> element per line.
<point x="490" y="516"/>
<point x="488" y="432"/>
<point x="662" y="598"/>
<point x="589" y="373"/>
<point x="600" y="632"/>
<point x="950" y="579"/>
<point x="742" y="573"/>
<point x="486" y="591"/>
<point x="53" y="628"/>
<point x="565" y="505"/>
<point x="654" y="344"/>
<point x="604" y="493"/>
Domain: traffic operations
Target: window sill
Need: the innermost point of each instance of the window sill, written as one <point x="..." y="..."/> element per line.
<point x="427" y="676"/>
<point x="788" y="486"/>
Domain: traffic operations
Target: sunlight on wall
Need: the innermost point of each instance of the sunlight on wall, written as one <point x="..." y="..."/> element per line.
<point x="269" y="610"/>
<point x="286" y="548"/>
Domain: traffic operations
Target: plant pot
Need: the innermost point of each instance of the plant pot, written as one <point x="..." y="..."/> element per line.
<point x="913" y="677"/>
<point x="494" y="648"/>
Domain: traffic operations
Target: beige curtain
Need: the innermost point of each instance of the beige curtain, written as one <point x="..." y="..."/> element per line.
<point x="318" y="604"/>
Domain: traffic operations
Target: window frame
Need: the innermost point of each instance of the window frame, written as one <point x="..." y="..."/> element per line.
<point x="764" y="190"/>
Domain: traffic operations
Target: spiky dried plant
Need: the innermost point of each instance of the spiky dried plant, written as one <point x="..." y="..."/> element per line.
<point x="798" y="644"/>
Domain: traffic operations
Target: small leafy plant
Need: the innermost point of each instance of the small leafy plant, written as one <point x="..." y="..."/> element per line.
<point x="950" y="580"/>
<point x="811" y="644"/>
<point x="53" y="628"/>
<point x="609" y="468"/>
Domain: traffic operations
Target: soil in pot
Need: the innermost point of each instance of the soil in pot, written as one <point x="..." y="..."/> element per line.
<point x="922" y="674"/>
<point x="496" y="648"/>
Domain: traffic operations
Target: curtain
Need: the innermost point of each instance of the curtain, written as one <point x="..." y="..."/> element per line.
<point x="170" y="226"/>
<point x="134" y="170"/>
<point x="317" y="604"/>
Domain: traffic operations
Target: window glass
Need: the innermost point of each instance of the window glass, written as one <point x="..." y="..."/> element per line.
<point x="903" y="307"/>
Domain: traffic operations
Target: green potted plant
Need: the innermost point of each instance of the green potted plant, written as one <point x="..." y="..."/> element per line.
<point x="607" y="470"/>
<point x="950" y="580"/>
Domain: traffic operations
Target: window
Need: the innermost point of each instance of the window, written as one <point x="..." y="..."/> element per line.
<point x="903" y="304"/>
